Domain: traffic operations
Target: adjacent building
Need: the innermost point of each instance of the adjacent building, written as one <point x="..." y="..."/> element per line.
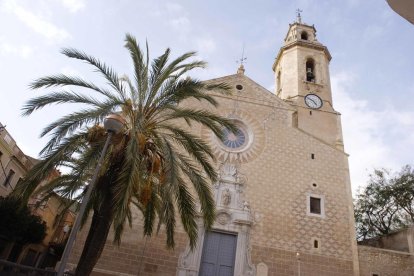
<point x="14" y="164"/>
<point x="405" y="8"/>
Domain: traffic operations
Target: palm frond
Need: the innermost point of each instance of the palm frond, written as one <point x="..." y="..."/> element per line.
<point x="140" y="66"/>
<point x="187" y="209"/>
<point x="195" y="147"/>
<point x="59" y="98"/>
<point x="101" y="67"/>
<point x="42" y="170"/>
<point x="202" y="188"/>
<point x="71" y="123"/>
<point x="213" y="121"/>
<point x="64" y="80"/>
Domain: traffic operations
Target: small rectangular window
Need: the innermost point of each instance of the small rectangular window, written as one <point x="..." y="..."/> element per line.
<point x="9" y="178"/>
<point x="315" y="205"/>
<point x="312" y="155"/>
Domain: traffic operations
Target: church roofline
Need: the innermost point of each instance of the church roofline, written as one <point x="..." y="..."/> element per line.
<point x="286" y="105"/>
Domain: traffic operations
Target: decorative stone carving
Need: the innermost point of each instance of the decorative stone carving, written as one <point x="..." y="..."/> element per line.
<point x="255" y="144"/>
<point x="223" y="218"/>
<point x="226" y="197"/>
<point x="228" y="172"/>
<point x="246" y="206"/>
<point x="233" y="215"/>
<point x="262" y="269"/>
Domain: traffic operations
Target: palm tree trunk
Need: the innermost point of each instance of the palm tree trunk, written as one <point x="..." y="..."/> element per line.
<point x="96" y="239"/>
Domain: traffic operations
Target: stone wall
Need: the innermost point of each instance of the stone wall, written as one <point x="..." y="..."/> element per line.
<point x="288" y="263"/>
<point x="384" y="262"/>
<point x="135" y="255"/>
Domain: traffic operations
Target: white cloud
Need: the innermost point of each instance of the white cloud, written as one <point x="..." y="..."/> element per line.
<point x="374" y="139"/>
<point x="167" y="10"/>
<point x="69" y="71"/>
<point x="23" y="51"/>
<point x="206" y="45"/>
<point x="181" y="24"/>
<point x="173" y="7"/>
<point x="175" y="17"/>
<point x="36" y="22"/>
<point x="74" y="5"/>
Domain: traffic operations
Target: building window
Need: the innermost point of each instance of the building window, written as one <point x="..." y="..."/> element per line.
<point x="9" y="178"/>
<point x="295" y="119"/>
<point x="310" y="70"/>
<point x="315" y="205"/>
<point x="234" y="140"/>
<point x="278" y="81"/>
<point x="304" y="35"/>
<point x="316" y="244"/>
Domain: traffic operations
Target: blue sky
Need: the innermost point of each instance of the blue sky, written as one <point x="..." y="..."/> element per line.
<point x="372" y="71"/>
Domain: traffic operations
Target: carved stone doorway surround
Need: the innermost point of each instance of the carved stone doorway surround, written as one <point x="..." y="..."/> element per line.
<point x="233" y="216"/>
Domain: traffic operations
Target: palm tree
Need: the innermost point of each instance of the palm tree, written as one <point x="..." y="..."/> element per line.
<point x="156" y="164"/>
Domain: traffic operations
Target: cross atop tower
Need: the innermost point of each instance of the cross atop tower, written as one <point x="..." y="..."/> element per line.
<point x="298" y="16"/>
<point x="242" y="60"/>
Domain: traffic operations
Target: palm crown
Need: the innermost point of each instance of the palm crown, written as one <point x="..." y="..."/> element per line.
<point x="156" y="163"/>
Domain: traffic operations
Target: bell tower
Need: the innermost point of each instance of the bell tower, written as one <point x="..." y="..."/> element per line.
<point x="302" y="79"/>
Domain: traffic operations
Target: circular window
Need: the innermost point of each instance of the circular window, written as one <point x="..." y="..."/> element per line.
<point x="239" y="87"/>
<point x="244" y="145"/>
<point x="238" y="140"/>
<point x="234" y="140"/>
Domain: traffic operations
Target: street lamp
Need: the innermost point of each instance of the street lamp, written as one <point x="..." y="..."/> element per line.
<point x="113" y="124"/>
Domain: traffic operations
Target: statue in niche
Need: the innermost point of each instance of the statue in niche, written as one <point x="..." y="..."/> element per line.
<point x="226" y="197"/>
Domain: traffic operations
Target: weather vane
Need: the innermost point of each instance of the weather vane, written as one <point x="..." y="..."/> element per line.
<point x="243" y="59"/>
<point x="298" y="16"/>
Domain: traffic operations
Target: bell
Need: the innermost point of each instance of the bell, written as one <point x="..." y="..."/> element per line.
<point x="309" y="75"/>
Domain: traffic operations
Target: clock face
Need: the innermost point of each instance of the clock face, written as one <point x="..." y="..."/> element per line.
<point x="313" y="101"/>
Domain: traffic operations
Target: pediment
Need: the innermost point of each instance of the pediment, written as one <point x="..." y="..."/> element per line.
<point x="251" y="91"/>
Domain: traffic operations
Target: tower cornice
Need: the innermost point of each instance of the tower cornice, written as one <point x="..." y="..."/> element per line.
<point x="302" y="43"/>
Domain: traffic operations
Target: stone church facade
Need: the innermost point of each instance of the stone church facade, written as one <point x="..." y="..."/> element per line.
<point x="284" y="203"/>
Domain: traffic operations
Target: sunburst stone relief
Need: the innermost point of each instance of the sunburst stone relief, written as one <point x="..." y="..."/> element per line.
<point x="243" y="145"/>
